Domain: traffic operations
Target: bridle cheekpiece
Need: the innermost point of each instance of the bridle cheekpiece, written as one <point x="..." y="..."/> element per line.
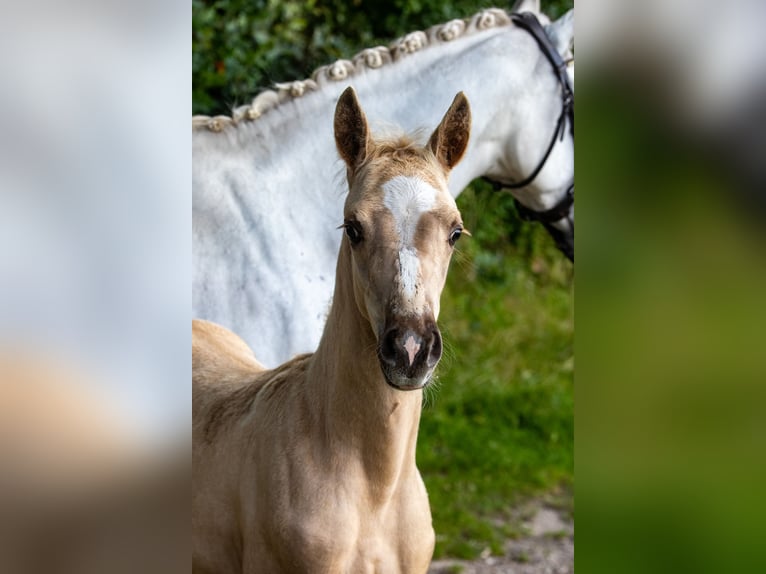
<point x="530" y="23"/>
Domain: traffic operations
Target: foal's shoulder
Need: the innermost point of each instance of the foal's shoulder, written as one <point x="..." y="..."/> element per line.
<point x="226" y="376"/>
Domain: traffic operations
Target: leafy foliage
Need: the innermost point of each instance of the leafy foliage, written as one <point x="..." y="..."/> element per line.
<point x="242" y="46"/>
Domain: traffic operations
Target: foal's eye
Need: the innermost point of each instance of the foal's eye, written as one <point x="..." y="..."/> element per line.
<point x="353" y="231"/>
<point x="455" y="235"/>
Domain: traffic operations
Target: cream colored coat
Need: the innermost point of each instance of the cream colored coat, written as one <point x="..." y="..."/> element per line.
<point x="310" y="467"/>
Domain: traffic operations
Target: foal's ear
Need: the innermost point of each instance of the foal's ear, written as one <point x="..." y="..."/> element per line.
<point x="351" y="133"/>
<point x="450" y="139"/>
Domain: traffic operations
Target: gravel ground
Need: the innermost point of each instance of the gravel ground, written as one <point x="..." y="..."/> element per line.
<point x="548" y="548"/>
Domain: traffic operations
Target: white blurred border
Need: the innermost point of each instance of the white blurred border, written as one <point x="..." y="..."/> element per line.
<point x="705" y="59"/>
<point x="95" y="200"/>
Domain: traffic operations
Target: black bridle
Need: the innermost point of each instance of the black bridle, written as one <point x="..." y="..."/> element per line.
<point x="530" y="23"/>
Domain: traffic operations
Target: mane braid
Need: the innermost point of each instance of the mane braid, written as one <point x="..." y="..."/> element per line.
<point x="341" y="70"/>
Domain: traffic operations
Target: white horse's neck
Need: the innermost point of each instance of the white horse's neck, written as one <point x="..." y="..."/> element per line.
<point x="505" y="76"/>
<point x="363" y="418"/>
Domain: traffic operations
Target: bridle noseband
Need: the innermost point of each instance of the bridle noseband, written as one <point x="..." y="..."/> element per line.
<point x="530" y="23"/>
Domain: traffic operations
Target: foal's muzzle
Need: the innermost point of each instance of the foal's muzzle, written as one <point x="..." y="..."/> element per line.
<point x="408" y="352"/>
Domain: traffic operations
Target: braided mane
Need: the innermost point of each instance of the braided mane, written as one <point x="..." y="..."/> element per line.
<point x="341" y="70"/>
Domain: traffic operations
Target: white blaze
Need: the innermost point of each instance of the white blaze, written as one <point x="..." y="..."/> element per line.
<point x="412" y="348"/>
<point x="407" y="198"/>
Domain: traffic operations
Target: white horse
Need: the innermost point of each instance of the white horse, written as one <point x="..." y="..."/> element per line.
<point x="264" y="207"/>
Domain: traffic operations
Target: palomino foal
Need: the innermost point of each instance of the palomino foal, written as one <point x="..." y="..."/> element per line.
<point x="310" y="467"/>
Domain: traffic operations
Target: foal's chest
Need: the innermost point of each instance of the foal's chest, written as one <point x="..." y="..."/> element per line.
<point x="339" y="537"/>
<point x="366" y="553"/>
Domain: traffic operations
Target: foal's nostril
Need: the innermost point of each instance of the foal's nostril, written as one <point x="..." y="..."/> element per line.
<point x="435" y="350"/>
<point x="409" y="352"/>
<point x="388" y="347"/>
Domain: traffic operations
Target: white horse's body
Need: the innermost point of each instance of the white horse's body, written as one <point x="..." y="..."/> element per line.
<point x="263" y="211"/>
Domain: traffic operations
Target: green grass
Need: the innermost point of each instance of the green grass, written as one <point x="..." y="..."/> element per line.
<point x="499" y="426"/>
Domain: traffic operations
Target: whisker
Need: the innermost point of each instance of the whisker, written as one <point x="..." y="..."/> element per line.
<point x="464" y="261"/>
<point x="430" y="391"/>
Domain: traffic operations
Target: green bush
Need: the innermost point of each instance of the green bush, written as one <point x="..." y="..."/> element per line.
<point x="242" y="46"/>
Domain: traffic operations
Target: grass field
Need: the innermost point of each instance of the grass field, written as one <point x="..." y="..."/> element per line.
<point x="498" y="427"/>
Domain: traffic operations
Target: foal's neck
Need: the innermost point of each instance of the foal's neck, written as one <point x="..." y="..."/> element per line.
<point x="361" y="415"/>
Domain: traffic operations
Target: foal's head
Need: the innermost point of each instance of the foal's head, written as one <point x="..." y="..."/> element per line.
<point x="401" y="225"/>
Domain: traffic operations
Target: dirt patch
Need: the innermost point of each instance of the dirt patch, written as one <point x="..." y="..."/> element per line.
<point x="547" y="547"/>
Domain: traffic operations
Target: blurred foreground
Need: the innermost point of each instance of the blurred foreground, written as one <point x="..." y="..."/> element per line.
<point x="94" y="288"/>
<point x="671" y="320"/>
<point x="78" y="492"/>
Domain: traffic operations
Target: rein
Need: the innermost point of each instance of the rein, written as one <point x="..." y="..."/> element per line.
<point x="528" y="22"/>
